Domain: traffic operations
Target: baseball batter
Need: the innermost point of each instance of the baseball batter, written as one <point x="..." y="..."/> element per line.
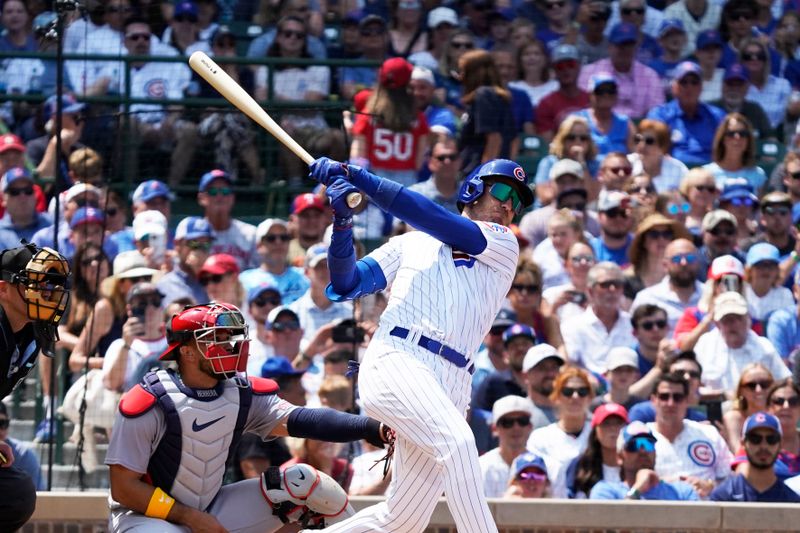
<point x="175" y="431"/>
<point x="448" y="282"/>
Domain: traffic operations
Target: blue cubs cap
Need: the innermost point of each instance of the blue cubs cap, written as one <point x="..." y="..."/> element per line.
<point x="709" y="38"/>
<point x="278" y="367"/>
<point x="151" y="189"/>
<point x="185" y="9"/>
<point x="193" y="228"/>
<point x="86" y="215"/>
<point x="518" y="330"/>
<point x="254" y="292"/>
<point x="623" y="33"/>
<point x="668" y="25"/>
<point x="685" y="68"/>
<point x="506" y="318"/>
<point x="631" y="431"/>
<point x="208" y="177"/>
<point x="12" y="175"/>
<point x="763" y="251"/>
<point x="737" y="188"/>
<point x="736" y="71"/>
<point x="601" y="78"/>
<point x="69" y="106"/>
<point x="761" y="420"/>
<point x="528" y="460"/>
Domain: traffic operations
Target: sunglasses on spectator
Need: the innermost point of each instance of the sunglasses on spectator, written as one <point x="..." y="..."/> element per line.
<point x="155" y="301"/>
<point x="219" y="191"/>
<point x="569" y="392"/>
<point x="184" y="18"/>
<point x="678" y="258"/>
<point x="554" y="5"/>
<point x="138" y="37"/>
<point x="620" y="171"/>
<point x="795" y="175"/>
<point x="446" y="157"/>
<point x="335" y="359"/>
<point x="754" y="438"/>
<point x="640" y="444"/>
<point x="781" y="401"/>
<point x="737" y="134"/>
<point x="4" y="423"/>
<point x="537" y="477"/>
<point x="373" y="32"/>
<point x="649" y="325"/>
<point x="27" y="191"/>
<point x="581" y="206"/>
<point x="289" y="325"/>
<point x="688" y="374"/>
<point x="610" y="284"/>
<point x="727" y="232"/>
<point x="214" y="278"/>
<point x="776" y="210"/>
<point x="642" y="189"/>
<point x="503" y="192"/>
<point x="689" y="80"/>
<point x="507" y="422"/>
<point x="582" y="259"/>
<point x="741" y="15"/>
<point x="607" y="91"/>
<point x="616" y="212"/>
<point x="706" y="188"/>
<point x="85" y="202"/>
<point x="632" y="11"/>
<point x="565" y="65"/>
<point x="199" y="245"/>
<point x="139" y="279"/>
<point x="293" y="34"/>
<point x="739" y="202"/>
<point x="261" y="302"/>
<point x="274" y="238"/>
<point x="666" y="234"/>
<point x="677" y="209"/>
<point x="530" y="289"/>
<point x="498" y="330"/>
<point x="112" y="211"/>
<point x="755" y="384"/>
<point x="462" y="45"/>
<point x="639" y="138"/>
<point x="677" y="397"/>
<point x="119" y="9"/>
<point x="572" y="137"/>
<point x="87" y="261"/>
<point x="754" y="57"/>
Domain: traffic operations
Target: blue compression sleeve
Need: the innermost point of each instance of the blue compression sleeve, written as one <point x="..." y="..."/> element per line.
<point x="457" y="231"/>
<point x="333" y="426"/>
<point x="342" y="260"/>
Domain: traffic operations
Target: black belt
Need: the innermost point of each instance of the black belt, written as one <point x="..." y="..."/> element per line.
<point x="436" y="347"/>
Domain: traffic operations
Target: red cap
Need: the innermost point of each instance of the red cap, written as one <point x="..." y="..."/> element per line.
<point x="306" y="201"/>
<point x="395" y="73"/>
<point x="220" y="264"/>
<point x="9" y="141"/>
<point x="606" y="410"/>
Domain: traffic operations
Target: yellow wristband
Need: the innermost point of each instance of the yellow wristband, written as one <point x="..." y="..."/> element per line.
<point x="160" y="504"/>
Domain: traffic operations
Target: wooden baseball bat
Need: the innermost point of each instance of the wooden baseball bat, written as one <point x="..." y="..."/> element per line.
<point x="235" y="94"/>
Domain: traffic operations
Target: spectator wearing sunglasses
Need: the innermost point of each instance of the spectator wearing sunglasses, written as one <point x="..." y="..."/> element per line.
<point x="540" y="369"/>
<point x="554" y="107"/>
<point x="611" y="131"/>
<point x="783" y="401"/>
<point x="272" y="246"/>
<point x="143" y="336"/>
<point x="184" y="32"/>
<point x="616" y="221"/>
<point x="763" y="289"/>
<point x="374" y="47"/>
<point x="220" y="277"/>
<point x="672" y="40"/>
<point x="737" y="197"/>
<point x="724" y="351"/>
<point x="735" y="86"/>
<point x="690" y="120"/>
<point x="603" y="325"/>
<point x="231" y="236"/>
<point x="21" y="220"/>
<point x="517" y="340"/>
<point x="755" y="480"/>
<point x="284" y="334"/>
<point x="783" y="327"/>
<point x="750" y="397"/>
<point x="719" y="231"/>
<point x="651" y="147"/>
<point x="529" y="478"/>
<point x="193" y="239"/>
<point x="490" y="357"/>
<point x="443" y="184"/>
<point x="561" y="442"/>
<point x="511" y="425"/>
<point x="686" y="450"/>
<point x="670" y="361"/>
<point x="734" y="153"/>
<point x="766" y="88"/>
<point x="570" y="299"/>
<point x="775" y="222"/>
<point x="636" y="449"/>
<point x="261" y="300"/>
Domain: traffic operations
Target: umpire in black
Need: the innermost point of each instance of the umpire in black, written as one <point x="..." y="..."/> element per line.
<point x="34" y="292"/>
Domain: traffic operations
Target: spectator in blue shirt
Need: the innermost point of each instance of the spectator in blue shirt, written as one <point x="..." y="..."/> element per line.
<point x="684" y="364"/>
<point x="693" y="123"/>
<point x="422" y="86"/>
<point x="21" y="220"/>
<point x="636" y="446"/>
<point x="616" y="221"/>
<point x="756" y="480"/>
<point x="374" y="47"/>
<point x="783" y="326"/>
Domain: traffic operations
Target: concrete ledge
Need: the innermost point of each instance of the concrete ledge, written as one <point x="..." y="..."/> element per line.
<point x="565" y="515"/>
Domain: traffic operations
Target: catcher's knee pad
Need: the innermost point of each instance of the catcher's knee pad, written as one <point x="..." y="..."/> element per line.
<point x="304" y="485"/>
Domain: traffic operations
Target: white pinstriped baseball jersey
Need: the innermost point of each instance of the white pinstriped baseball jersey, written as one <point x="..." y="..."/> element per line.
<point x="447" y="295"/>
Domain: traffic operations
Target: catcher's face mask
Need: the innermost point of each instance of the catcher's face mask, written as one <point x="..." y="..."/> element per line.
<point x="44" y="285"/>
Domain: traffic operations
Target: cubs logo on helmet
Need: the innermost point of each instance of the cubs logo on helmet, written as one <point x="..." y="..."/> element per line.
<point x="473" y="187"/>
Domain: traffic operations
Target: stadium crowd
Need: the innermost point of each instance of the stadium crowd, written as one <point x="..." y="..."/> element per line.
<point x="649" y="343"/>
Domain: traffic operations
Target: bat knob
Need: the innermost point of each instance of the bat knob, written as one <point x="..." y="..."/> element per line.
<point x="353" y="199"/>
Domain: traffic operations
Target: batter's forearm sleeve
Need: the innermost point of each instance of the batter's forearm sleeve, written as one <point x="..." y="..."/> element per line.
<point x="333" y="426"/>
<point x="423" y="214"/>
<point x="342" y="260"/>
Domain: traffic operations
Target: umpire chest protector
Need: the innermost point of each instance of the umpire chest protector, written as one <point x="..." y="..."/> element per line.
<point x="203" y="427"/>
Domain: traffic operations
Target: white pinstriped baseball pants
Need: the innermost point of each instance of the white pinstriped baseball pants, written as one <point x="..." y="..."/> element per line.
<point x="424" y="398"/>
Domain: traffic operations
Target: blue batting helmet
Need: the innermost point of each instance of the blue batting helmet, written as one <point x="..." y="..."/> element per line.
<point x="472" y="188"/>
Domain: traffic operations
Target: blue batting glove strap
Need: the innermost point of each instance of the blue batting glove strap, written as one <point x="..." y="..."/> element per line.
<point x="337" y="192"/>
<point x="326" y="170"/>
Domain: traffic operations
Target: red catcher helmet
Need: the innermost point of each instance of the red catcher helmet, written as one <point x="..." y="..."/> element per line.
<point x="220" y="332"/>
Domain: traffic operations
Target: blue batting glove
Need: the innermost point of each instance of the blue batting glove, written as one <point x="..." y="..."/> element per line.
<point x="337" y="194"/>
<point x="326" y="170"/>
